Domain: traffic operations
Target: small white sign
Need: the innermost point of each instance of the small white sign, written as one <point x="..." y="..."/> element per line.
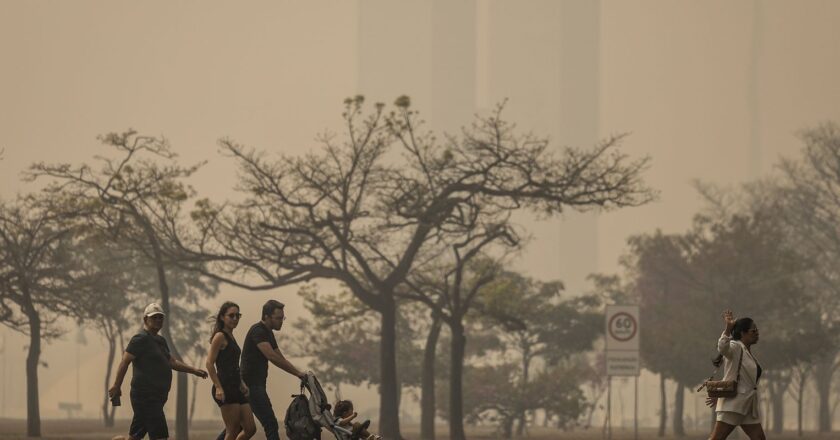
<point x="622" y="328"/>
<point x="623" y="363"/>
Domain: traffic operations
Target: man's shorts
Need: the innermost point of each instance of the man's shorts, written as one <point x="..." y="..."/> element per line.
<point x="148" y="416"/>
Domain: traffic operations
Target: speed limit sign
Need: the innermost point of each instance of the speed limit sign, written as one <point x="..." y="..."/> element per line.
<point x="622" y="327"/>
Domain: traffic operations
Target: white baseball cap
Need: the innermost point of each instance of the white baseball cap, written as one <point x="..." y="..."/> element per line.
<point x="153" y="309"/>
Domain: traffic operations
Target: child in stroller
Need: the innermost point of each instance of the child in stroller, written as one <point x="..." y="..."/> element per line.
<point x="343" y="412"/>
<point x="306" y="416"/>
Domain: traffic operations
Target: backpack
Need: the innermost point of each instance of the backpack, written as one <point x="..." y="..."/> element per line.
<point x="299" y="423"/>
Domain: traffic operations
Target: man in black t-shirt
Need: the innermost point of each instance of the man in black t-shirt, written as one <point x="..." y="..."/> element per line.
<point x="259" y="348"/>
<point x="152" y="376"/>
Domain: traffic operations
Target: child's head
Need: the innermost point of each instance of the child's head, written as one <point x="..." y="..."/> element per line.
<point x="343" y="408"/>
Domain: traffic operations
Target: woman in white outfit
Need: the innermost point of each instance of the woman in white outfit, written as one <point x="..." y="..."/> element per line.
<point x="742" y="410"/>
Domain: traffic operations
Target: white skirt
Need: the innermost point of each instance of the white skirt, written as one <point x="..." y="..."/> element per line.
<point x="736" y="419"/>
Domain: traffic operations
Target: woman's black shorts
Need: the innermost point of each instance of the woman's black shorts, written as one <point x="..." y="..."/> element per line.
<point x="232" y="395"/>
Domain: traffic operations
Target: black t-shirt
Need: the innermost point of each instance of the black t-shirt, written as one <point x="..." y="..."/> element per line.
<point x="152" y="371"/>
<point x="254" y="363"/>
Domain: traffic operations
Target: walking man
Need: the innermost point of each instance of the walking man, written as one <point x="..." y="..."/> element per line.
<point x="152" y="368"/>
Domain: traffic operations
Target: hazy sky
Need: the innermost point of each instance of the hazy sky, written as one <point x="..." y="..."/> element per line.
<point x="712" y="90"/>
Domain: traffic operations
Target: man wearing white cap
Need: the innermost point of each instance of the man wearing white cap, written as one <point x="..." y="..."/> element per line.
<point x="149" y="354"/>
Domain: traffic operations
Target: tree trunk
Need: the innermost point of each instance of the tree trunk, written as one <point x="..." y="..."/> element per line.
<point x="799" y="414"/>
<point x="663" y="407"/>
<point x="507" y="427"/>
<point x="33" y="407"/>
<point x="526" y="366"/>
<point x="456" y="377"/>
<point x="181" y="418"/>
<point x="389" y="404"/>
<point x="108" y="411"/>
<point x="801" y="382"/>
<point x="427" y="388"/>
<point x="823" y="375"/>
<point x="192" y="401"/>
<point x="590" y="412"/>
<point x="679" y="403"/>
<point x="777" y="397"/>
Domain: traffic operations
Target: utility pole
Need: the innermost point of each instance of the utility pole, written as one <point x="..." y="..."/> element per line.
<point x="636" y="408"/>
<point x="3" y="376"/>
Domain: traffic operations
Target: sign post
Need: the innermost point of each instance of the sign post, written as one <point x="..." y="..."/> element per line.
<point x="622" y="354"/>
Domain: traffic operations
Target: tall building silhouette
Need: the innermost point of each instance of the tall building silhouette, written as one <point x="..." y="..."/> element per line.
<point x="458" y="58"/>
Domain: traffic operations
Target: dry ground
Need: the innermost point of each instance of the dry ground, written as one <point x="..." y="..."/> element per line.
<point x="207" y="430"/>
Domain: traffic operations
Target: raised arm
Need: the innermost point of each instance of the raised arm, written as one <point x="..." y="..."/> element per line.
<point x="277" y="358"/>
<point x="723" y="345"/>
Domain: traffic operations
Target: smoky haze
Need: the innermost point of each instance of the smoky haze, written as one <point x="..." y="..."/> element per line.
<point x="714" y="90"/>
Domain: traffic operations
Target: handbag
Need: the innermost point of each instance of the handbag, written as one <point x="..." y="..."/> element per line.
<point x="723" y="388"/>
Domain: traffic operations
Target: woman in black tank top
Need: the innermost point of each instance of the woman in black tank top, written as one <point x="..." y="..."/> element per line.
<point x="229" y="392"/>
<point x="227" y="362"/>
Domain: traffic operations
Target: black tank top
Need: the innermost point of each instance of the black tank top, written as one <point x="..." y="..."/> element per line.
<point x="227" y="362"/>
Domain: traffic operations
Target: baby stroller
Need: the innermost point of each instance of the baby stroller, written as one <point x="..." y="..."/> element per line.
<point x="305" y="417"/>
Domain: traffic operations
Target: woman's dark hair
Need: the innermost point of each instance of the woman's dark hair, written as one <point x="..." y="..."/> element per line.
<point x="342" y="407"/>
<point x="742" y="325"/>
<point x="219" y="323"/>
<point x="270" y="306"/>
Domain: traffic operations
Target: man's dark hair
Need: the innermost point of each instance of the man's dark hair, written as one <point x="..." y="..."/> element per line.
<point x="270" y="306"/>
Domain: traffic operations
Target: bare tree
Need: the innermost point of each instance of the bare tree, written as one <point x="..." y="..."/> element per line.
<point x="540" y="324"/>
<point x="449" y="285"/>
<point x="360" y="214"/>
<point x="801" y="372"/>
<point x="812" y="209"/>
<point x="341" y="339"/>
<point x="37" y="284"/>
<point x="132" y="197"/>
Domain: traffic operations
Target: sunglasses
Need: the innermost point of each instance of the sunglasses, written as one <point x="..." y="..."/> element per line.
<point x="234" y="315"/>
